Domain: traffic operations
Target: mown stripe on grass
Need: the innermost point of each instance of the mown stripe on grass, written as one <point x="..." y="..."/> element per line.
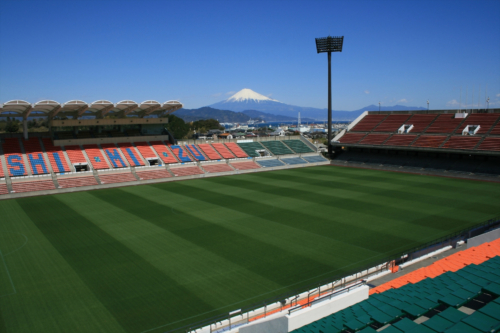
<point x="271" y="262"/>
<point x="136" y="293"/>
<point x="3" y="328"/>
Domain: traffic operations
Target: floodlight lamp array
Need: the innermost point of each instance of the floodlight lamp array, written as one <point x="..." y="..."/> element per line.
<point x="329" y="44"/>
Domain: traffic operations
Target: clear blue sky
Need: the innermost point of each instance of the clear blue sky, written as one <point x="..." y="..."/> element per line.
<point x="198" y="52"/>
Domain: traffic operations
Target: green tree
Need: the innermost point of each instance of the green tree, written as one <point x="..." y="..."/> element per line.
<point x="177" y="126"/>
<point x="12" y="127"/>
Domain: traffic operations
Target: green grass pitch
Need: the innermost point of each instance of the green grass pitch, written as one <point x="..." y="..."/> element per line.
<point x="156" y="257"/>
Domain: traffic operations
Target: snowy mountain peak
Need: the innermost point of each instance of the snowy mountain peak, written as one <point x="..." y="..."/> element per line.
<point x="246" y="95"/>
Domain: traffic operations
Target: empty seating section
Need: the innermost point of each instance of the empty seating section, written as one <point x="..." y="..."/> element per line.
<point x="485" y="120"/>
<point x="35" y="157"/>
<point x="209" y="151"/>
<point x="496" y="129"/>
<point x="4" y="189"/>
<point x="293" y="161"/>
<point x="392" y="123"/>
<point x="131" y="154"/>
<point x="431" y="141"/>
<point x="441" y="296"/>
<point x="277" y="147"/>
<point x="400" y="140"/>
<point x="39" y="185"/>
<point x="196" y="153"/>
<point x="270" y="163"/>
<point x="314" y="159"/>
<point x="245" y="165"/>
<point x="156" y="174"/>
<point x="113" y="155"/>
<point x="2" y="174"/>
<point x="95" y="157"/>
<point x="145" y="150"/>
<point x="368" y="123"/>
<point x="298" y="146"/>
<point x="445" y="123"/>
<point x="56" y="157"/>
<point x="490" y="143"/>
<point x="236" y="150"/>
<point x="186" y="171"/>
<point x="14" y="158"/>
<point x="374" y="139"/>
<point x="352" y="137"/>
<point x="117" y="178"/>
<point x="180" y="153"/>
<point x="217" y="167"/>
<point x="75" y="154"/>
<point x="77" y="181"/>
<point x="165" y="154"/>
<point x="462" y="142"/>
<point x="420" y="122"/>
<point x="222" y="150"/>
<point x="251" y="148"/>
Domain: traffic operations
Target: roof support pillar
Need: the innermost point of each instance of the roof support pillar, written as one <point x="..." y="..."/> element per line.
<point x="105" y="111"/>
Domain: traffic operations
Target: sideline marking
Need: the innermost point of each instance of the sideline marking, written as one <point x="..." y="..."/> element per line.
<point x="25" y="242"/>
<point x="10" y="277"/>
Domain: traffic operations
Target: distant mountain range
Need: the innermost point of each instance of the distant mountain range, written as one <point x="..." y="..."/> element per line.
<point x="247" y="104"/>
<point x="247" y="99"/>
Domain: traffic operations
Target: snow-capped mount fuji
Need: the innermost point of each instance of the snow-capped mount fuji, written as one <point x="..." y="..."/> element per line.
<point x="248" y="95"/>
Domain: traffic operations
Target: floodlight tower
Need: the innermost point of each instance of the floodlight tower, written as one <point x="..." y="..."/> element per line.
<point x="329" y="44"/>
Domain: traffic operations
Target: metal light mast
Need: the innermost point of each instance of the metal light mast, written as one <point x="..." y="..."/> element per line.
<point x="329" y="44"/>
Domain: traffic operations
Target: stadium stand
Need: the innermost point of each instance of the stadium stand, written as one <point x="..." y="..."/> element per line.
<point x="95" y="156"/>
<point x="113" y="155"/>
<point x="314" y="159"/>
<point x="130" y="154"/>
<point x="236" y="150"/>
<point x="56" y="157"/>
<point x="298" y="146"/>
<point x="391" y="123"/>
<point x="69" y="182"/>
<point x="75" y="154"/>
<point x="461" y="142"/>
<point x="251" y="148"/>
<point x="420" y="122"/>
<point x="180" y="153"/>
<point x="14" y="157"/>
<point x="113" y="178"/>
<point x="491" y="143"/>
<point x="429" y="141"/>
<point x="270" y="163"/>
<point x="145" y="150"/>
<point x="277" y="147"/>
<point x="368" y="123"/>
<point x="484" y="120"/>
<point x="209" y="151"/>
<point x="445" y="123"/>
<point x="35" y="157"/>
<point x="222" y="150"/>
<point x="4" y="189"/>
<point x="245" y="165"/>
<point x="155" y="174"/>
<point x="352" y="137"/>
<point x="165" y="154"/>
<point x="400" y="140"/>
<point x="195" y="152"/>
<point x="2" y="174"/>
<point x="32" y="186"/>
<point x="495" y="130"/>
<point x="374" y="139"/>
<point x="293" y="161"/>
<point x="186" y="171"/>
<point x="217" y="167"/>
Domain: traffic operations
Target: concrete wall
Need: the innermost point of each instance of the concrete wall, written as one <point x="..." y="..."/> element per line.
<point x="484" y="238"/>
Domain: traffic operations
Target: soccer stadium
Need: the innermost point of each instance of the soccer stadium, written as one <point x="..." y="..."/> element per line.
<point x="111" y="224"/>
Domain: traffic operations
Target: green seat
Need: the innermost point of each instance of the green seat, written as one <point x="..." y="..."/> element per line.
<point x="481" y="321"/>
<point x="251" y="147"/>
<point x="462" y="328"/>
<point x="491" y="309"/>
<point x="367" y="330"/>
<point x="414" y="310"/>
<point x="452" y="315"/>
<point x="298" y="146"/>
<point x="493" y="288"/>
<point x="381" y="317"/>
<point x="438" y="324"/>
<point x="355" y="325"/>
<point x="405" y="325"/>
<point x="391" y="329"/>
